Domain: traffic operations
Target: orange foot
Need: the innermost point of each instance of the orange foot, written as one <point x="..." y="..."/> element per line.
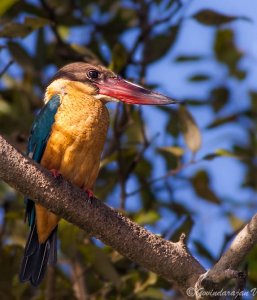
<point x="56" y="174"/>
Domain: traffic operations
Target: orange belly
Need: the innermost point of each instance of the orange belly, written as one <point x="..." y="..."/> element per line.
<point x="74" y="149"/>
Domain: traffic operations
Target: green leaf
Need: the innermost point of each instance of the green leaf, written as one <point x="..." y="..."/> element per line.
<point x="172" y="127"/>
<point x="5" y="5"/>
<point x="13" y="30"/>
<point x="213" y="18"/>
<point x="219" y="97"/>
<point x="223" y="121"/>
<point x="188" y="58"/>
<point x="109" y="159"/>
<point x="252" y="266"/>
<point x="178" y="208"/>
<point x="253" y="97"/>
<point x="21" y="56"/>
<point x="69" y="235"/>
<point x="106" y="183"/>
<point x="199" y="77"/>
<point x="36" y="23"/>
<point x="190" y="130"/>
<point x="5" y="107"/>
<point x="159" y="45"/>
<point x="143" y="169"/>
<point x="203" y="251"/>
<point x="151" y="280"/>
<point x="119" y="58"/>
<point x="176" y="151"/>
<point x="151" y="294"/>
<point x="228" y="53"/>
<point x="100" y="262"/>
<point x="194" y="102"/>
<point x="27" y="8"/>
<point x="121" y="19"/>
<point x="88" y="55"/>
<point x="210" y="156"/>
<point x="11" y="111"/>
<point x="149" y="217"/>
<point x="224" y="152"/>
<point x="225" y="49"/>
<point x="134" y="131"/>
<point x="64" y="32"/>
<point x="239" y="74"/>
<point x="236" y="222"/>
<point x="221" y="153"/>
<point x="171" y="161"/>
<point x="201" y="185"/>
<point x="184" y="228"/>
<point x="10" y="256"/>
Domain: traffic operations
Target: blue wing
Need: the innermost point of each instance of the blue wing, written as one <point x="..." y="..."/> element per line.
<point x="36" y="256"/>
<point x="39" y="136"/>
<point x="41" y="129"/>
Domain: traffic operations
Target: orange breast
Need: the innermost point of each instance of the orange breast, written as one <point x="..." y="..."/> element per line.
<point x="74" y="147"/>
<point x="77" y="140"/>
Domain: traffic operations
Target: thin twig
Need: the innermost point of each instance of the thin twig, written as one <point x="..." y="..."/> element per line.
<point x="163" y="177"/>
<point x="5" y="69"/>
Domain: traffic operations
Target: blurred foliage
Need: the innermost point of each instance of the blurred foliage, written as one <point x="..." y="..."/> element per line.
<point x="38" y="37"/>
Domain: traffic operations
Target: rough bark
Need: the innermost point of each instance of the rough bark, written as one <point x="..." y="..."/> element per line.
<point x="170" y="260"/>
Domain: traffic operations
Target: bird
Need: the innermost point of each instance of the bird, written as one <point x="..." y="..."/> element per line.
<point x="67" y="138"/>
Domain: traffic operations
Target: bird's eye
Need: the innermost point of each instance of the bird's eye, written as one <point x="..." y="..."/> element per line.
<point x="93" y="74"/>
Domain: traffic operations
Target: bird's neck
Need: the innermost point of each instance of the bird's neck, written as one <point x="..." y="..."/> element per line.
<point x="77" y="104"/>
<point x="64" y="86"/>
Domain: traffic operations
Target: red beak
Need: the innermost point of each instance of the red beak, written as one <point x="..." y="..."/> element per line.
<point x="131" y="93"/>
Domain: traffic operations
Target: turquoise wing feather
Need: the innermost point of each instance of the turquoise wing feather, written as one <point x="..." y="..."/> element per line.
<point x="41" y="129"/>
<point x="39" y="136"/>
<point x="36" y="256"/>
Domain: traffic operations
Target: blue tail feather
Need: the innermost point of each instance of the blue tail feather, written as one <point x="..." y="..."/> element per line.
<point x="36" y="257"/>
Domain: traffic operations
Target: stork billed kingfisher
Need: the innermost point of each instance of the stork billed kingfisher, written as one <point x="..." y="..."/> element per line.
<point x="67" y="138"/>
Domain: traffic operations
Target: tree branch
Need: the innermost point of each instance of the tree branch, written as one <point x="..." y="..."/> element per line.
<point x="223" y="270"/>
<point x="170" y="260"/>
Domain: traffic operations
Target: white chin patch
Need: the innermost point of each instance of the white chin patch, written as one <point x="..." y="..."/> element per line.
<point x="105" y="98"/>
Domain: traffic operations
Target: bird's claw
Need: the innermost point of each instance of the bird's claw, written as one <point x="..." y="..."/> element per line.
<point x="56" y="174"/>
<point x="89" y="193"/>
